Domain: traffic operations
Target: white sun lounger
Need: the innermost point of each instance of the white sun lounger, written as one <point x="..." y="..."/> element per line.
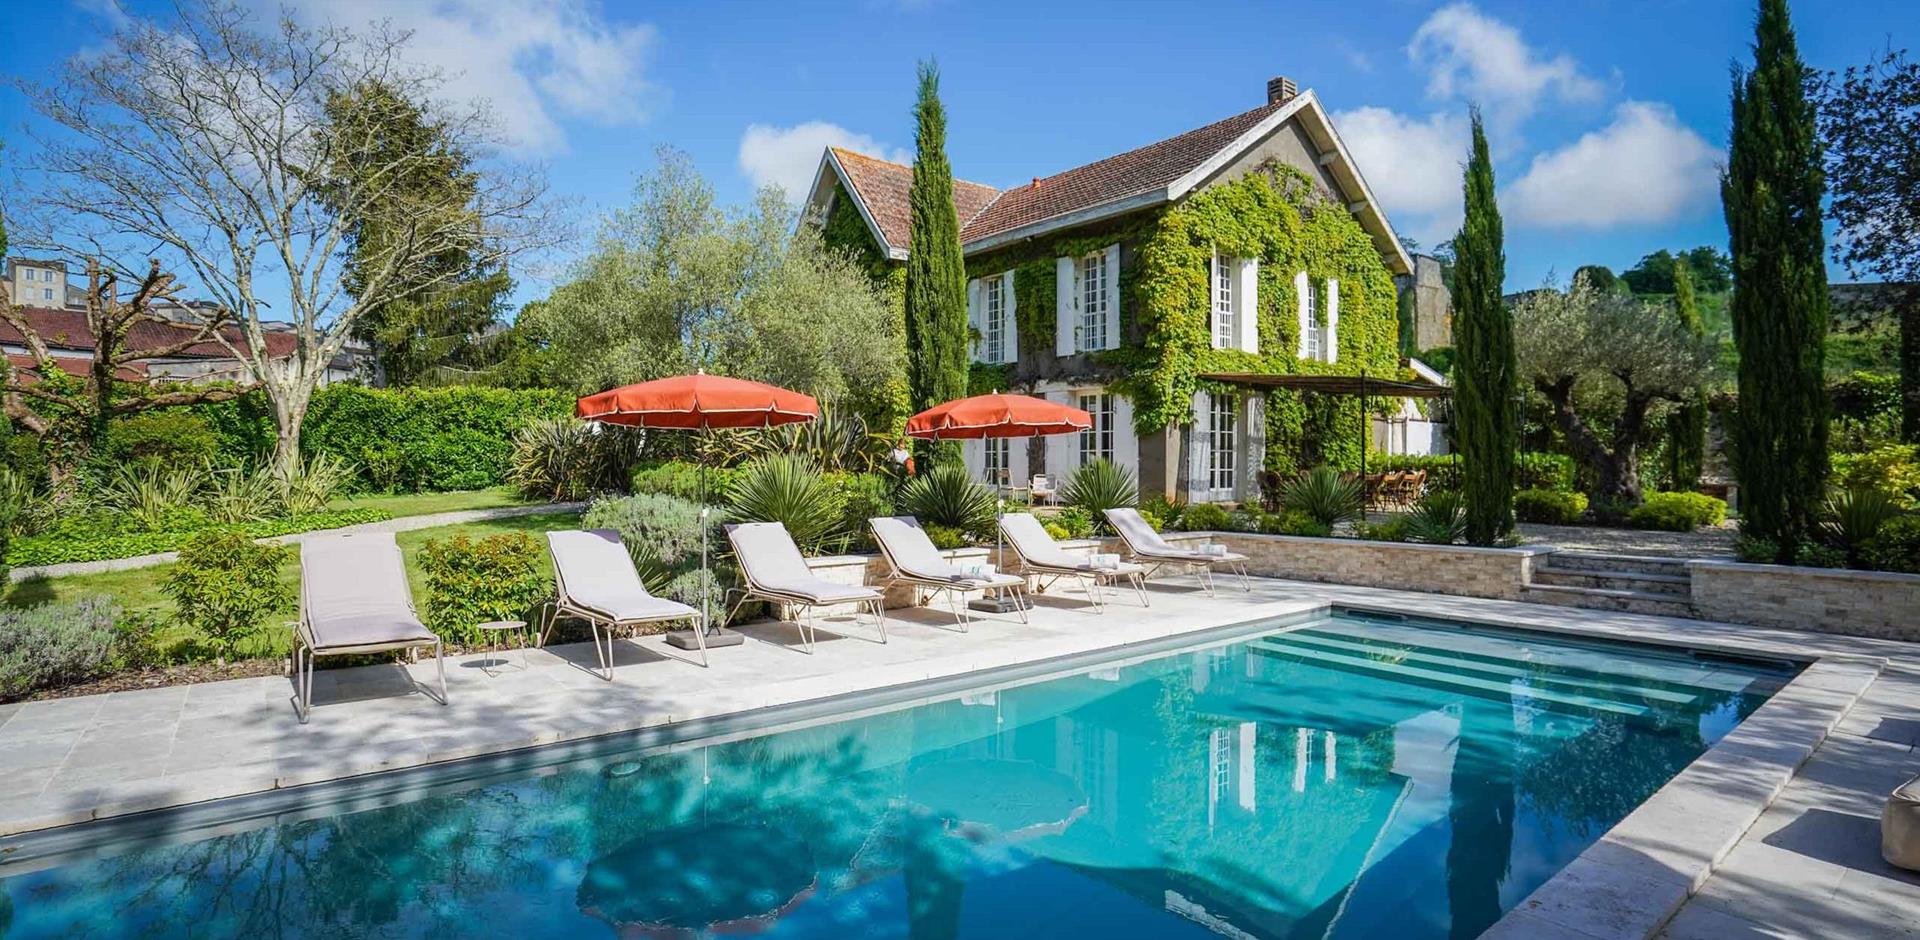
<point x="354" y="599"/>
<point x="596" y="582"/>
<point x="1147" y="547"/>
<point x="774" y="570"/>
<point x="914" y="560"/>
<point x="1040" y="556"/>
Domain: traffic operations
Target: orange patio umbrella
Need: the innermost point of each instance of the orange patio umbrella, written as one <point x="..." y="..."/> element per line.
<point x="699" y="402"/>
<point x="998" y="415"/>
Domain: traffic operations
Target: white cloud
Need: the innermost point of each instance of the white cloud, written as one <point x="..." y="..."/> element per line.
<point x="1471" y="55"/>
<point x="788" y="156"/>
<point x="1645" y="167"/>
<point x="535" y="63"/>
<point x="1412" y="165"/>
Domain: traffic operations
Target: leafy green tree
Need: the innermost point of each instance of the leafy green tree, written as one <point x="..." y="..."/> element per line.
<point x="1687" y="424"/>
<point x="1485" y="374"/>
<point x="1772" y="189"/>
<point x="1870" y="121"/>
<point x="1712" y="272"/>
<point x="678" y="283"/>
<point x="1711" y="269"/>
<point x="936" y="274"/>
<point x="434" y="314"/>
<point x="1597" y="276"/>
<point x="1605" y="361"/>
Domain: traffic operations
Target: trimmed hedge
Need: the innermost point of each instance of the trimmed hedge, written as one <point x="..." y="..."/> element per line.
<point x="400" y="440"/>
<point x="1677" y="512"/>
<point x="1549" y="507"/>
<point x="62" y="546"/>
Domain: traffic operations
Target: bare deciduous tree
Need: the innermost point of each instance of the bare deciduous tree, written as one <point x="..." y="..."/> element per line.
<point x="38" y="402"/>
<point x="205" y="140"/>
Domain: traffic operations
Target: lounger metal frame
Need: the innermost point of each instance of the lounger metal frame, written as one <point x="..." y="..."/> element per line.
<point x="955" y="590"/>
<point x="306" y="648"/>
<point x="1154" y="561"/>
<point x="1091" y="580"/>
<point x="875" y="605"/>
<point x="563" y="603"/>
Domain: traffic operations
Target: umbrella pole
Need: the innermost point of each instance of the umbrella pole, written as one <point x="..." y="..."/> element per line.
<point x="686" y="639"/>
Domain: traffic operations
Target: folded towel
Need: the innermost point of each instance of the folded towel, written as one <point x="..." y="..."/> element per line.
<point x="979" y="569"/>
<point x="1218" y="551"/>
<point x="1105" y="560"/>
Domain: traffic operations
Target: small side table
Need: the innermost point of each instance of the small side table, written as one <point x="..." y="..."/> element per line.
<point x="504" y="632"/>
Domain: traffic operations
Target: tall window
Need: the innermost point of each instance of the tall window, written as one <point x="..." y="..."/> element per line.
<point x="1316" y="323"/>
<point x="1096" y="442"/>
<point x="996" y="465"/>
<point x="1093" y="301"/>
<point x="1221" y="430"/>
<point x="30" y="274"/>
<point x="995" y="327"/>
<point x="1225" y="329"/>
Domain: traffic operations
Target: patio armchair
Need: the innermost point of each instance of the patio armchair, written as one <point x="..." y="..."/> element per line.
<point x="1039" y="556"/>
<point x="595" y="580"/>
<point x="774" y="570"/>
<point x="1146" y="547"/>
<point x="1041" y="489"/>
<point x="913" y="559"/>
<point x="354" y="599"/>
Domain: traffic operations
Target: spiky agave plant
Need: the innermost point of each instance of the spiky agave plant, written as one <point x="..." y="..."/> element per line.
<point x="791" y="490"/>
<point x="1099" y="485"/>
<point x="947" y="496"/>
<point x="1854" y="515"/>
<point x="1323" y="494"/>
<point x="1439" y="518"/>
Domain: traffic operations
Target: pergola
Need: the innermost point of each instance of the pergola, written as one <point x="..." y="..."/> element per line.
<point x="1355" y="386"/>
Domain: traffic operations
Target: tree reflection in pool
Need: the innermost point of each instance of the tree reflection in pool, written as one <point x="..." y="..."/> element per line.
<point x="1353" y="778"/>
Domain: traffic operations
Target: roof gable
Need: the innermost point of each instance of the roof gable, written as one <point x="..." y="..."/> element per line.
<point x="1164" y="171"/>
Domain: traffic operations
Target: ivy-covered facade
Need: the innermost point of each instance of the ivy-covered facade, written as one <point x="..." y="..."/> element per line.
<point x="1264" y="264"/>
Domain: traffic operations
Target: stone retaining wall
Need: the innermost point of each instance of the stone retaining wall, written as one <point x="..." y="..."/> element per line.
<point x="1405" y="566"/>
<point x="871" y="569"/>
<point x="1879" y="604"/>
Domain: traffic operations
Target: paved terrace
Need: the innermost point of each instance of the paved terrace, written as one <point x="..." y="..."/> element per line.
<point x="1807" y="866"/>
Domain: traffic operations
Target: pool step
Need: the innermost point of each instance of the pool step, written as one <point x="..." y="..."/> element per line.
<point x="1639" y="584"/>
<point x="1444" y="679"/>
<point x="1456" y="661"/>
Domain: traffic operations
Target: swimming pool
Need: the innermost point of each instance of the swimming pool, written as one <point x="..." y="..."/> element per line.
<point x="1359" y="775"/>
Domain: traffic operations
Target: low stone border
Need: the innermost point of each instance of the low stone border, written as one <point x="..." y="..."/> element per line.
<point x="1499" y="573"/>
<point x="1881" y="604"/>
<point x="397" y="524"/>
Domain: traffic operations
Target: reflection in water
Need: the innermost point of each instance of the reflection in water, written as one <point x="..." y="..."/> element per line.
<point x="1355" y="779"/>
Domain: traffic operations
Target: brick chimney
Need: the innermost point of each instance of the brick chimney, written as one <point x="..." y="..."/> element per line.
<point x="1281" y="88"/>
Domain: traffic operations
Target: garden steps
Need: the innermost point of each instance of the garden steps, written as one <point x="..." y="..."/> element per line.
<point x="1629" y="583"/>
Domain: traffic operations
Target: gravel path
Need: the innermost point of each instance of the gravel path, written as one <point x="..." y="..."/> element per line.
<point x="1712" y="542"/>
<point x="400" y="524"/>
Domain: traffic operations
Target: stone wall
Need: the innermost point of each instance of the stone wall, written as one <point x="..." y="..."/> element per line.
<point x="1878" y="604"/>
<point x="1405" y="566"/>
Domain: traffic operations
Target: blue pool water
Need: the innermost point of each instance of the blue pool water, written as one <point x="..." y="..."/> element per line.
<point x="1357" y="777"/>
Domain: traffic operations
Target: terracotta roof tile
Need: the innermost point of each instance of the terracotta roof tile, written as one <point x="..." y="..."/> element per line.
<point x="883" y="186"/>
<point x="1112" y="179"/>
<point x="67" y="329"/>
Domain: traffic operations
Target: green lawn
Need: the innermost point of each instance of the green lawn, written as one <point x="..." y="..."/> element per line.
<point x="421" y="504"/>
<point x="139" y="590"/>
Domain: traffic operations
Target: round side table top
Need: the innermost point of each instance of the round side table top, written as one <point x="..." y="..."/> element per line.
<point x="502" y="625"/>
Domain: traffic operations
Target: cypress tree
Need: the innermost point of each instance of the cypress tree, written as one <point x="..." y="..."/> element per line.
<point x="936" y="274"/>
<point x="1687" y="425"/>
<point x="1485" y="371"/>
<point x="1772" y="189"/>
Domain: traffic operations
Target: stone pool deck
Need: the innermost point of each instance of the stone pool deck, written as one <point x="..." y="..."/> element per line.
<point x="1824" y="752"/>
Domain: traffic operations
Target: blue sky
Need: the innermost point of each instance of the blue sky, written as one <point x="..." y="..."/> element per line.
<point x="1608" y="118"/>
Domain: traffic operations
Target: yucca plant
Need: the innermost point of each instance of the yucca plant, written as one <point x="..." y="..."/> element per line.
<point x="790" y="490"/>
<point x="308" y="484"/>
<point x="1324" y="495"/>
<point x="1854" y="515"/>
<point x="1439" y="518"/>
<point x="152" y="494"/>
<point x="948" y="496"/>
<point x="568" y="459"/>
<point x="1099" y="485"/>
<point x="238" y="495"/>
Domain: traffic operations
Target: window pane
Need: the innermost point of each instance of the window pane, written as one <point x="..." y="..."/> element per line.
<point x="1223" y="321"/>
<point x="1220" y="433"/>
<point x="995" y="327"/>
<point x="1093" y="301"/>
<point x="1096" y="443"/>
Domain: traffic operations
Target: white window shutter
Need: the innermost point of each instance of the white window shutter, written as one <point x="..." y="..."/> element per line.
<point x="1061" y="449"/>
<point x="1333" y="320"/>
<point x="1113" y="296"/>
<point x="1303" y="293"/>
<point x="1197" y="439"/>
<point x="1066" y="308"/>
<point x="1213" y="299"/>
<point x="976" y="322"/>
<point x="1253" y="454"/>
<point x="1246" y="304"/>
<point x="1017" y="473"/>
<point x="1010" y="343"/>
<point x="974" y="455"/>
<point x="1126" y="445"/>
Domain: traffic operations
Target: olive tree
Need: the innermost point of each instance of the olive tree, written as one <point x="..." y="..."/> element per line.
<point x="1604" y="362"/>
<point x="205" y="139"/>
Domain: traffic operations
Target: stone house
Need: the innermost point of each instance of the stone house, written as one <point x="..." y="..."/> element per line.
<point x="1146" y="288"/>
